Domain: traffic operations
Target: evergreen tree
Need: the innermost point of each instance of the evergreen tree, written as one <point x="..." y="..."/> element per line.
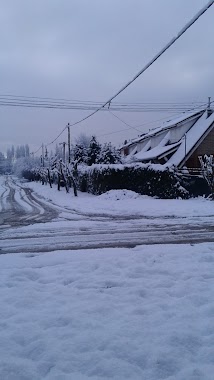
<point x="17" y="153"/>
<point x="20" y="151"/>
<point x="93" y="151"/>
<point x="80" y="153"/>
<point x="12" y="153"/>
<point x="9" y="155"/>
<point x="27" y="150"/>
<point x="2" y="163"/>
<point x="117" y="156"/>
<point x="109" y="155"/>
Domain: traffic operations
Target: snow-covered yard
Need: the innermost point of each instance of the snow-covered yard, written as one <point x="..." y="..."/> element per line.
<point x="142" y="313"/>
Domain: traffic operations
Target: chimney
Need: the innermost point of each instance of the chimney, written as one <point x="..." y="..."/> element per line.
<point x="209" y="110"/>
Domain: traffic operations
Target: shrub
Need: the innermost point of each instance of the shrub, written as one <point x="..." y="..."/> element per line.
<point x="153" y="180"/>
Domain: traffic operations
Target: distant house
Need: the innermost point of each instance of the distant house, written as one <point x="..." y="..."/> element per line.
<point x="177" y="142"/>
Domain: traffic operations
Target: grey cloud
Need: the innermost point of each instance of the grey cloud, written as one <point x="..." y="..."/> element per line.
<point x="84" y="49"/>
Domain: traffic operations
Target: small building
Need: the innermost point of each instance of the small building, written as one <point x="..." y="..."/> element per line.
<point x="177" y="142"/>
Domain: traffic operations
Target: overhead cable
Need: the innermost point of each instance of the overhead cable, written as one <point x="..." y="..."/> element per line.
<point x="123" y="107"/>
<point x="57" y="137"/>
<point x="170" y="43"/>
<point x="63" y="101"/>
<point x="124" y="122"/>
<point x="37" y="150"/>
<point x="155" y="58"/>
<point x="147" y="123"/>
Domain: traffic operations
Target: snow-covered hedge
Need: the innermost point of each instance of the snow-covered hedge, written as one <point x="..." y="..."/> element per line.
<point x="146" y="179"/>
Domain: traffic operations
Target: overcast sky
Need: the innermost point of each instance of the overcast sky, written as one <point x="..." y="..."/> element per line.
<point x="87" y="50"/>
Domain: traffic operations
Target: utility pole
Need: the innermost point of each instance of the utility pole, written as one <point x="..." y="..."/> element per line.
<point x="69" y="144"/>
<point x="43" y="163"/>
<point x="46" y="152"/>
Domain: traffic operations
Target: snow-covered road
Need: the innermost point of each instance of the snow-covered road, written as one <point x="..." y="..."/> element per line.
<point x="142" y="313"/>
<point x="35" y="218"/>
<point x="18" y="207"/>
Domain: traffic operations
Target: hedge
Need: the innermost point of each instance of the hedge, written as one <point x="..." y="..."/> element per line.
<point x="145" y="179"/>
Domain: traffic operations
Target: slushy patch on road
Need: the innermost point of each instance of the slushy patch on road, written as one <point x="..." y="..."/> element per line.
<point x="143" y="313"/>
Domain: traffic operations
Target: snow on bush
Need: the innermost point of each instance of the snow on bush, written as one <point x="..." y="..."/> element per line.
<point x="146" y="179"/>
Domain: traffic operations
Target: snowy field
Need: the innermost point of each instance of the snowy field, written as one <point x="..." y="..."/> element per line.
<point x="144" y="313"/>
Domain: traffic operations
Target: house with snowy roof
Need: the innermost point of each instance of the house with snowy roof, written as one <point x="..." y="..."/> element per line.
<point x="177" y="142"/>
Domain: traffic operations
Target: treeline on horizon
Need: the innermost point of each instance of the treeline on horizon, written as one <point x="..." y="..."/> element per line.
<point x="86" y="150"/>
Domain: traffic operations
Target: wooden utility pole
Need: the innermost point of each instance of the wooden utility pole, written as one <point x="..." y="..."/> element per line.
<point x="43" y="162"/>
<point x="46" y="152"/>
<point x="69" y="144"/>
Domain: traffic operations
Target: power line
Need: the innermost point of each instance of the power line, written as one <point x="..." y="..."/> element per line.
<point x="127" y="129"/>
<point x="129" y="107"/>
<point x="137" y="110"/>
<point x="174" y="39"/>
<point x="37" y="150"/>
<point x="163" y="50"/>
<point x="147" y="123"/>
<point x="23" y="98"/>
<point x="57" y="137"/>
<point x="130" y="127"/>
<point x="124" y="122"/>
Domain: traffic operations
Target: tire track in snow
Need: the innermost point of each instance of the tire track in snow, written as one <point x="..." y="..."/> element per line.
<point x="52" y="240"/>
<point x="19" y="208"/>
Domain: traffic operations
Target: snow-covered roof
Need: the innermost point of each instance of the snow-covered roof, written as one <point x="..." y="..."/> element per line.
<point x="192" y="138"/>
<point x="176" y="141"/>
<point x="155" y="152"/>
<point x="166" y="125"/>
<point x="134" y="151"/>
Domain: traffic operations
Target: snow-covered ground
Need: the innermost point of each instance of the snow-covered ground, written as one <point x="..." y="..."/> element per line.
<point x="144" y="313"/>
